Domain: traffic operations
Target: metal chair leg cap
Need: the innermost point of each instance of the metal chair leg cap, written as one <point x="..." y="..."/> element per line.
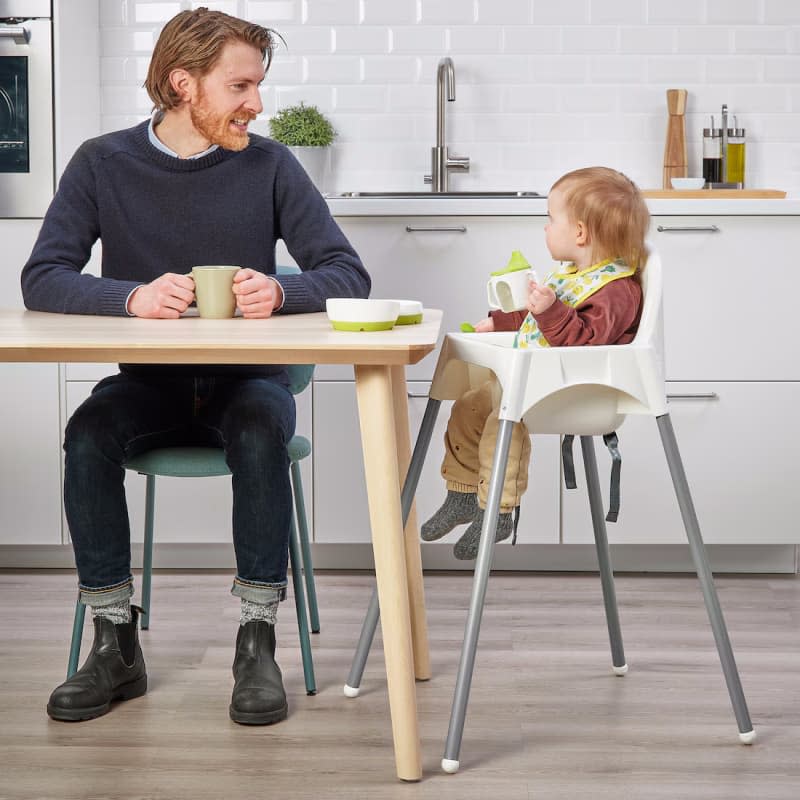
<point x="450" y="766"/>
<point x="351" y="691"/>
<point x="620" y="671"/>
<point x="747" y="738"/>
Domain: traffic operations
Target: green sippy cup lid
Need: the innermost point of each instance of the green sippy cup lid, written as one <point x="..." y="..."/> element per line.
<point x="516" y="263"/>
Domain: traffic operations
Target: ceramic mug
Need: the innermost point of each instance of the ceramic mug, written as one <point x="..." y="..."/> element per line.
<point x="509" y="291"/>
<point x="213" y="291"/>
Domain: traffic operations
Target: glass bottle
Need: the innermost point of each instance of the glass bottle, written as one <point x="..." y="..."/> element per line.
<point x="736" y="155"/>
<point x="712" y="154"/>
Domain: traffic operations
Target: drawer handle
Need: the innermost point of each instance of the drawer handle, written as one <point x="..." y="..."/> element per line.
<point x="693" y="396"/>
<point x="688" y="229"/>
<point x="434" y="229"/>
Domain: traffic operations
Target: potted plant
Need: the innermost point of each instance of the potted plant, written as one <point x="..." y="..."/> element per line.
<point x="308" y="134"/>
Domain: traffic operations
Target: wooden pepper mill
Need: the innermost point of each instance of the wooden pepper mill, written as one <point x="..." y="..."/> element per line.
<point x="675" y="161"/>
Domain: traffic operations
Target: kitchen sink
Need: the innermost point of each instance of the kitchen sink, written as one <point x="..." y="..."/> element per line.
<point x="420" y="194"/>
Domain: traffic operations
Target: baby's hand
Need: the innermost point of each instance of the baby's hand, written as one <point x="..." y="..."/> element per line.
<point x="484" y="326"/>
<point x="540" y="297"/>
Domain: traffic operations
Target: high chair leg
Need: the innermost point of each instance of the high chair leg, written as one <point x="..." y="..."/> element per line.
<point x="603" y="556"/>
<point x="370" y="623"/>
<point x="706" y="578"/>
<point x="482" y="566"/>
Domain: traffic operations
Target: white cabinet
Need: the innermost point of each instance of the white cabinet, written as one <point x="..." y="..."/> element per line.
<point x="340" y="496"/>
<point x="30" y="465"/>
<point x="196" y="510"/>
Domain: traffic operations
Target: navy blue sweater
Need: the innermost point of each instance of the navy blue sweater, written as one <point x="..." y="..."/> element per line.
<point x="155" y="213"/>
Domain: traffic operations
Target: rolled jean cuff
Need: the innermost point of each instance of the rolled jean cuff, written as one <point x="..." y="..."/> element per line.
<point x="107" y="595"/>
<point x="263" y="593"/>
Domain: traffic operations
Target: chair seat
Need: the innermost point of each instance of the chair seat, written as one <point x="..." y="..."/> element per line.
<point x="199" y="462"/>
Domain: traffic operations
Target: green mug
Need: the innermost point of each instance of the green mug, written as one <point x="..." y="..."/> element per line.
<point x="213" y="291"/>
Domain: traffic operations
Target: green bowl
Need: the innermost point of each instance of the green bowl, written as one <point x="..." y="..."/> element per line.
<point x="409" y="319"/>
<point x="363" y="326"/>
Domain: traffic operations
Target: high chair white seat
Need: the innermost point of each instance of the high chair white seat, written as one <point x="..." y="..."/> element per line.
<point x="584" y="391"/>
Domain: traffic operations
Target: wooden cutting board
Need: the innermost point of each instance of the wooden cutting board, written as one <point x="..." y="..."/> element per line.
<point x="714" y="194"/>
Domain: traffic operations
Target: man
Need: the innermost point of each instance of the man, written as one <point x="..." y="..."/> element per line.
<point x="188" y="187"/>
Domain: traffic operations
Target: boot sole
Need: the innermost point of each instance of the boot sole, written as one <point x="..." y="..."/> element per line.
<point x="125" y="692"/>
<point x="259" y="718"/>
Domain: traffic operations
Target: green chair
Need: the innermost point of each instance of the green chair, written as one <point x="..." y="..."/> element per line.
<point x="203" y="462"/>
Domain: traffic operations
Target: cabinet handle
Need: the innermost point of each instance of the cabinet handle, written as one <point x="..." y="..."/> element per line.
<point x="693" y="396"/>
<point x="443" y="228"/>
<point x="688" y="229"/>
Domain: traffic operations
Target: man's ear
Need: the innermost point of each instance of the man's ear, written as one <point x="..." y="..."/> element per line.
<point x="183" y="84"/>
<point x="581" y="234"/>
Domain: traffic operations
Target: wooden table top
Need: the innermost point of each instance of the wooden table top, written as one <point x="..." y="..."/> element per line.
<point x="31" y="336"/>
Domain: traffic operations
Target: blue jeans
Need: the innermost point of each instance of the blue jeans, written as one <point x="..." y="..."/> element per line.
<point x="252" y="419"/>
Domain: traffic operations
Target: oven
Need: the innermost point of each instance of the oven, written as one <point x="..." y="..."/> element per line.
<point x="26" y="108"/>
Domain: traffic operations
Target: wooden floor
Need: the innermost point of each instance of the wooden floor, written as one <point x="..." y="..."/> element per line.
<point x="547" y="717"/>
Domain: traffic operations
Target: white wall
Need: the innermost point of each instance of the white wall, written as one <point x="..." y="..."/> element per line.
<point x="543" y="86"/>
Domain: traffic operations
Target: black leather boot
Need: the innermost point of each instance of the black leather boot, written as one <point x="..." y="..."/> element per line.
<point x="114" y="670"/>
<point x="258" y="695"/>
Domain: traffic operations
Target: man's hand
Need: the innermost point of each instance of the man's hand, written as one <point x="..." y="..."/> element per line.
<point x="540" y="297"/>
<point x="256" y="295"/>
<point x="167" y="297"/>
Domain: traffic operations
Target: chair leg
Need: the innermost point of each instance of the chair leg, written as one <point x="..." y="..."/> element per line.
<point x="603" y="556"/>
<point x="77" y="634"/>
<point x="370" y="623"/>
<point x="483" y="564"/>
<point x="147" y="549"/>
<point x="706" y="578"/>
<point x="305" y="547"/>
<point x="300" y="607"/>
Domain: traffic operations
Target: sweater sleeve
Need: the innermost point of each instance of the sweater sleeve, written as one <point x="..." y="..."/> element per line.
<point x="507" y="320"/>
<point x="609" y="316"/>
<point x="330" y="266"/>
<point x="52" y="279"/>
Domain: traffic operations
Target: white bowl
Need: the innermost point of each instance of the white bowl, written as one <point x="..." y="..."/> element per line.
<point x="688" y="183"/>
<point x="359" y="314"/>
<point x="410" y="312"/>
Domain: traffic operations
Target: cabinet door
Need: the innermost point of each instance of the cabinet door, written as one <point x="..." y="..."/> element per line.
<point x="736" y="443"/>
<point x="725" y="317"/>
<point x="196" y="510"/>
<point x="442" y="261"/>
<point x="340" y="495"/>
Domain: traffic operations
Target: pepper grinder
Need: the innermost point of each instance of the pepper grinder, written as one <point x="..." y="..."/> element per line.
<point x="675" y="158"/>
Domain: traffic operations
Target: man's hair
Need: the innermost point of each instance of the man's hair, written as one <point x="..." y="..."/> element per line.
<point x="613" y="210"/>
<point x="193" y="40"/>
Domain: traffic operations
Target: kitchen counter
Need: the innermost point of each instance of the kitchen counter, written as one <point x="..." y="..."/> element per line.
<point x="537" y="207"/>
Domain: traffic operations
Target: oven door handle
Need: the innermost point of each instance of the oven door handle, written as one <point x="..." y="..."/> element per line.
<point x="19" y="35"/>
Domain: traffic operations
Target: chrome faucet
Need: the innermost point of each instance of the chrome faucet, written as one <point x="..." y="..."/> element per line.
<point x="442" y="164"/>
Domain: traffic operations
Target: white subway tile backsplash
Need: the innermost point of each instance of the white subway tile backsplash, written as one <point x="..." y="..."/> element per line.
<point x="542" y="86"/>
<point x="703" y="39"/>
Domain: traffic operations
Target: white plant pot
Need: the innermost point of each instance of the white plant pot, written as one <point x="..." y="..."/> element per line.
<point x="316" y="161"/>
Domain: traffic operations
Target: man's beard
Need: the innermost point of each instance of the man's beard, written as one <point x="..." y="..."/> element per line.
<point x="217" y="128"/>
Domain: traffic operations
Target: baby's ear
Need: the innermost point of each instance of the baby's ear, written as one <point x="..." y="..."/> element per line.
<point x="581" y="233"/>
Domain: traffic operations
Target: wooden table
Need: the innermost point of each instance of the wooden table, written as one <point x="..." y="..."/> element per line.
<point x="379" y="360"/>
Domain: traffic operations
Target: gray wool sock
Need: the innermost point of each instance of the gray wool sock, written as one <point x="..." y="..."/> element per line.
<point x="258" y="612"/>
<point x="466" y="548"/>
<point x="458" y="508"/>
<point x="118" y="613"/>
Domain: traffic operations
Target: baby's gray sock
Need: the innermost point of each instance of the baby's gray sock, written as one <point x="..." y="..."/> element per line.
<point x="466" y="548"/>
<point x="458" y="508"/>
<point x="261" y="612"/>
<point x="118" y="613"/>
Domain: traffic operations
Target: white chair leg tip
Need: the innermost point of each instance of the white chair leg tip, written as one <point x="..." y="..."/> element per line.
<point x="351" y="691"/>
<point x="450" y="766"/>
<point x="620" y="671"/>
<point x="747" y="738"/>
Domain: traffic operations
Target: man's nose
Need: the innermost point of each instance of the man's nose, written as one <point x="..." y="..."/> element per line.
<point x="253" y="102"/>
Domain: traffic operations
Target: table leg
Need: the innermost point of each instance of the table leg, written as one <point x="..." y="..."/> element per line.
<point x="378" y="440"/>
<point x="416" y="589"/>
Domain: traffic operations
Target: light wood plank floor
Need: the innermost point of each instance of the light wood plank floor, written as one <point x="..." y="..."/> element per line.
<point x="547" y="718"/>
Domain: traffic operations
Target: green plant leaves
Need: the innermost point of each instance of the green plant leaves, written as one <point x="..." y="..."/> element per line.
<point x="301" y="126"/>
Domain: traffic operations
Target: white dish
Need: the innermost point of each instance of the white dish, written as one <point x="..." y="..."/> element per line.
<point x="362" y="314"/>
<point x="687" y="183"/>
<point x="410" y="312"/>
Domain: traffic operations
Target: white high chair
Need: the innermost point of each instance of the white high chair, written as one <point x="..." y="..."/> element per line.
<point x="586" y="391"/>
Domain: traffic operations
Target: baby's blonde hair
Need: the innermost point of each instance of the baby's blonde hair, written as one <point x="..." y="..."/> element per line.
<point x="613" y="210"/>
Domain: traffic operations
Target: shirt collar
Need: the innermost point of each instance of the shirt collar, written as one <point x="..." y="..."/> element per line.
<point x="155" y="118"/>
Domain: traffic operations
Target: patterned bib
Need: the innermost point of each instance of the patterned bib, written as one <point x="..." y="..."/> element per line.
<point x="572" y="286"/>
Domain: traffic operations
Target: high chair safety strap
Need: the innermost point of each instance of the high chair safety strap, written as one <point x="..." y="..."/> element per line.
<point x="612" y="443"/>
<point x="569" y="462"/>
